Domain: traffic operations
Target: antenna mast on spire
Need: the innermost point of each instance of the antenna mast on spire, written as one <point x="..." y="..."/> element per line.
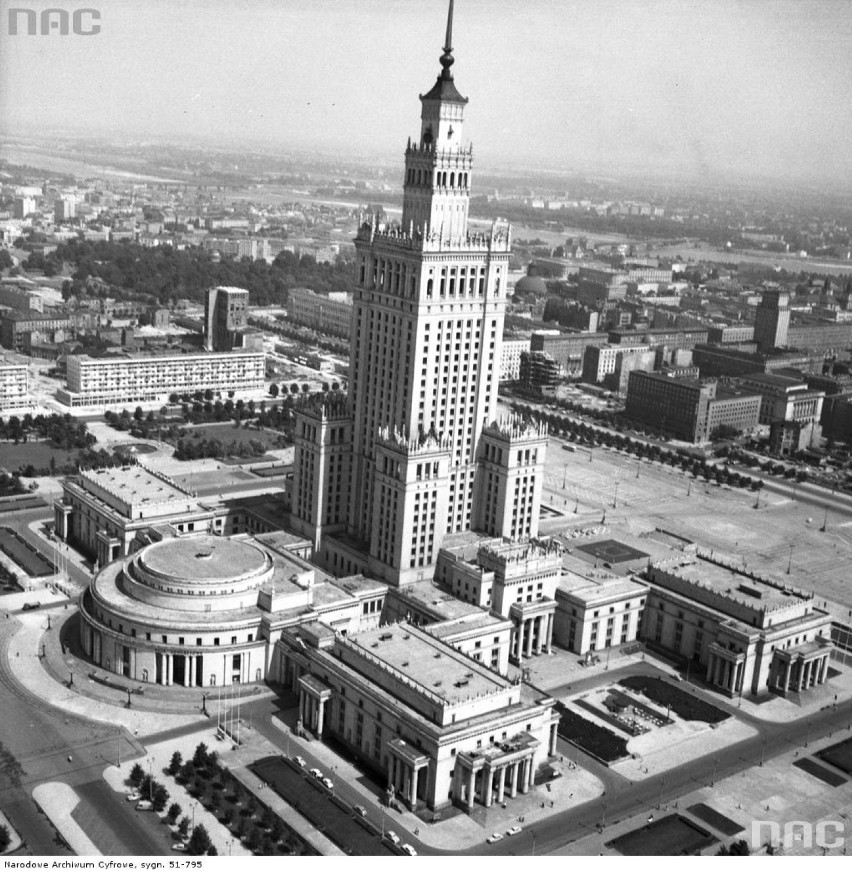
<point x="447" y="59"/>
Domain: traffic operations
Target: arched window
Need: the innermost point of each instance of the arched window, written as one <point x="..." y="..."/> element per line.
<point x="452" y="180"/>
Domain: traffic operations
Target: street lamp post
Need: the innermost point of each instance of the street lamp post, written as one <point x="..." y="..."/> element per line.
<point x="662" y="785"/>
<point x="808" y="734"/>
<point x="128" y="697"/>
<point x="71" y="679"/>
<point x="763" y="752"/>
<point x="204" y="703"/>
<point x="715" y="763"/>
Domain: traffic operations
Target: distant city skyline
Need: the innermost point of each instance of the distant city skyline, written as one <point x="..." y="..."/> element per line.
<point x="701" y="90"/>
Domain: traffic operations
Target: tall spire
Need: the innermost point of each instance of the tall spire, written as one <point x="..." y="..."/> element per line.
<point x="447" y="59"/>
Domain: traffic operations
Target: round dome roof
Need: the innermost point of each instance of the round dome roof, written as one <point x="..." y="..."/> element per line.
<point x="203" y="559"/>
<point x="531" y="285"/>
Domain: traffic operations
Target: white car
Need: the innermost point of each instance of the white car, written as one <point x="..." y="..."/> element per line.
<point x="180" y="846"/>
<point x="392" y="837"/>
<point x="494" y="837"/>
<point x="513" y="831"/>
<point x="135" y="796"/>
<point x="299" y="760"/>
<point x="144" y="805"/>
<point x="360" y="810"/>
<point x="327" y="782"/>
<point x="407" y="849"/>
<point x="316" y="773"/>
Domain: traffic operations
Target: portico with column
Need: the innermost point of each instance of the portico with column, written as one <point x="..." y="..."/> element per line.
<point x="796" y="669"/>
<point x="314" y="694"/>
<point x="533" y="633"/>
<point x="726" y="668"/>
<point x="407" y="771"/>
<point x="493" y="772"/>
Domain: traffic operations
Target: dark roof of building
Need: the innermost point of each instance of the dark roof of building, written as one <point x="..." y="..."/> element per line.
<point x="444" y="90"/>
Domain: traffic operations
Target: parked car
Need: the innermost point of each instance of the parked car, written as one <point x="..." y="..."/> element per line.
<point x="407" y="849"/>
<point x="180" y="846"/>
<point x="28" y="607"/>
<point x="360" y="810"/>
<point x="316" y="773"/>
<point x="133" y="796"/>
<point x="144" y="805"/>
<point x="392" y="837"/>
<point x="494" y="837"/>
<point x="328" y="783"/>
<point x="299" y="760"/>
<point x="513" y="831"/>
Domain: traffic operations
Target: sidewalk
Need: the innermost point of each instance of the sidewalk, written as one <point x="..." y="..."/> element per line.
<point x="778" y="791"/>
<point x="562" y="675"/>
<point x="453" y="830"/>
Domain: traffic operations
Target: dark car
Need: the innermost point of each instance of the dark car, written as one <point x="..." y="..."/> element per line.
<point x="28" y="607"/>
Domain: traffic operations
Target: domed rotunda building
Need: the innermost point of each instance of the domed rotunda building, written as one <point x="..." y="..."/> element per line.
<point x="202" y="611"/>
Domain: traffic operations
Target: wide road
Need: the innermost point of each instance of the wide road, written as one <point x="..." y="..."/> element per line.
<point x="36" y="741"/>
<point x="622" y="798"/>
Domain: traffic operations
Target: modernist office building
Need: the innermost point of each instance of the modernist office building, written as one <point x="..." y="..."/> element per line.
<point x="437" y="725"/>
<point x="204" y="611"/>
<point x="427" y="325"/>
<point x="14" y="385"/>
<point x="688" y="408"/>
<point x="136" y="378"/>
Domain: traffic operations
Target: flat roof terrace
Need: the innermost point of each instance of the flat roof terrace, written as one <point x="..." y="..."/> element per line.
<point x="730" y="582"/>
<point x="429" y="663"/>
<point x="133" y="486"/>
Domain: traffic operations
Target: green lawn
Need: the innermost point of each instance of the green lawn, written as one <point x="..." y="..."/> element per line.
<point x="228" y="433"/>
<point x="13" y="457"/>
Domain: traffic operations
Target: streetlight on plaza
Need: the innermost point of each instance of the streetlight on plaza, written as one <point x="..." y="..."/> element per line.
<point x="790" y="559"/>
<point x="808" y="734"/>
<point x="715" y="764"/>
<point x="71" y="679"/>
<point x="128" y="697"/>
<point x="662" y="785"/>
<point x="763" y="751"/>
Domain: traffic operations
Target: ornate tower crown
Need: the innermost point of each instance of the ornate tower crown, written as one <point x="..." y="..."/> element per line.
<point x="438" y="168"/>
<point x="443" y="105"/>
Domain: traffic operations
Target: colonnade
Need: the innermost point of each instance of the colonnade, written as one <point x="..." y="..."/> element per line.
<point x="534" y="635"/>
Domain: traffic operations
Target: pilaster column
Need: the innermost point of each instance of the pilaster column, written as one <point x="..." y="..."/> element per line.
<point x="413" y="795"/>
<point x="520" y="639"/>
<point x="489" y="787"/>
<point x="711" y="666"/>
<point x="171" y="663"/>
<point x="822" y="669"/>
<point x="501" y="784"/>
<point x="524" y="775"/>
<point x="529" y="639"/>
<point x="320" y="716"/>
<point x="554" y="732"/>
<point x="530" y="773"/>
<point x="549" y="645"/>
<point x="471" y="784"/>
<point x="800" y="677"/>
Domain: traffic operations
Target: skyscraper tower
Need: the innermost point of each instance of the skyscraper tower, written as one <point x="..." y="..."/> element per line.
<point x="772" y="320"/>
<point x="427" y="327"/>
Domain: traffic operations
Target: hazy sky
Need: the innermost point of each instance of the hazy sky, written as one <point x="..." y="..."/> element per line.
<point x="699" y="87"/>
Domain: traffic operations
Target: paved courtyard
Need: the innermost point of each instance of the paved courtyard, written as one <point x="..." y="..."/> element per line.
<point x="637" y="496"/>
